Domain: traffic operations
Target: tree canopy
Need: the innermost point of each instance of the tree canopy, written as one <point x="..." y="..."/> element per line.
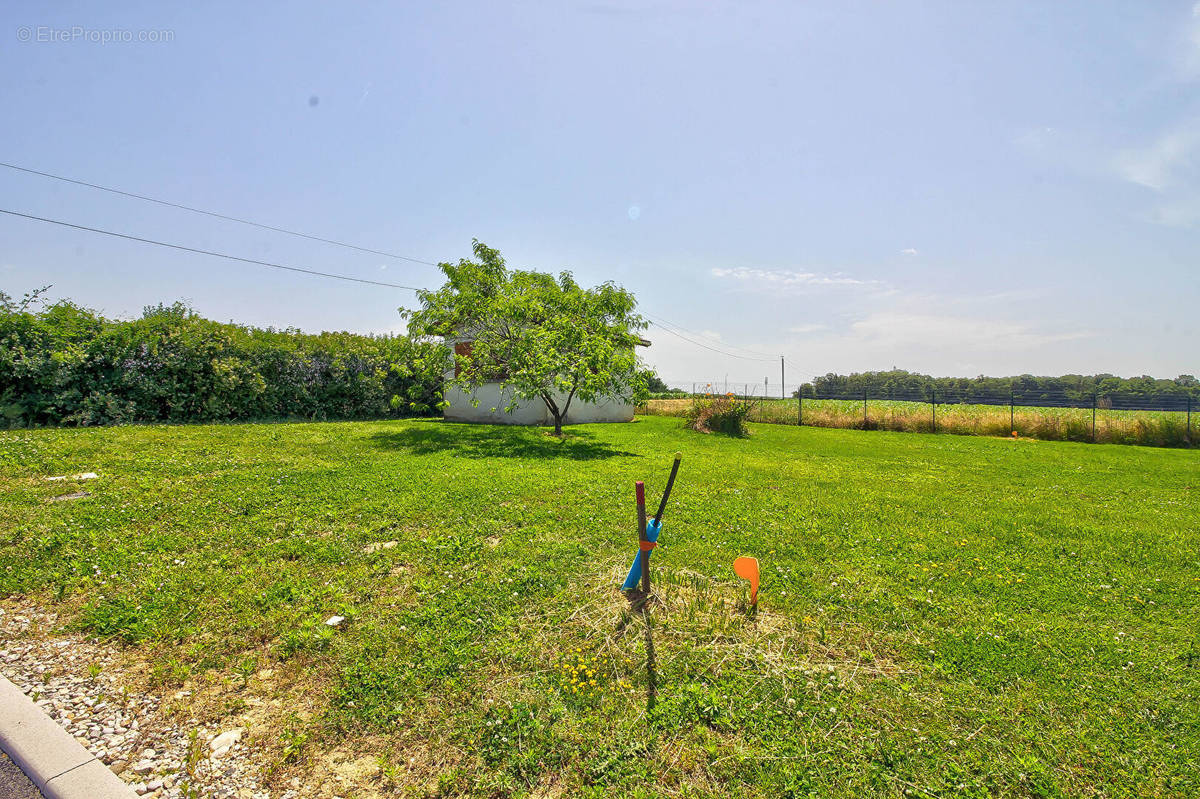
<point x="541" y="337"/>
<point x="1027" y="389"/>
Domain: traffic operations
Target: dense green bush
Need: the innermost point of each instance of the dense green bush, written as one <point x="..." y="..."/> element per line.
<point x="64" y="364"/>
<point x="719" y="414"/>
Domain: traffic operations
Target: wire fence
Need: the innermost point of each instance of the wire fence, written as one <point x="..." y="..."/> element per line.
<point x="1161" y="419"/>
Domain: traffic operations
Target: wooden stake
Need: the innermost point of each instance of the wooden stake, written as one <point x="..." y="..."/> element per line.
<point x="662" y="506"/>
<point x="640" y="489"/>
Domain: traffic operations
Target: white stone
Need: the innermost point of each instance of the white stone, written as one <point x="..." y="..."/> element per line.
<point x="226" y="739"/>
<point x="142" y="767"/>
<point x="334" y="621"/>
<point x="369" y="548"/>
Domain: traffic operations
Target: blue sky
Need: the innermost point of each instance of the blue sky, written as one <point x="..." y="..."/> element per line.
<point x="954" y="188"/>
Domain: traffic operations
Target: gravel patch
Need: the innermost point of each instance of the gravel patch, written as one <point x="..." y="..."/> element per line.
<point x="159" y="754"/>
<point x="13" y="782"/>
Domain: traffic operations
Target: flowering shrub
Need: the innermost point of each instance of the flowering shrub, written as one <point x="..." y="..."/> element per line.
<point x="720" y="414"/>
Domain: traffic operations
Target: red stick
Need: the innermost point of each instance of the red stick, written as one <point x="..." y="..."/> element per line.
<point x="640" y="491"/>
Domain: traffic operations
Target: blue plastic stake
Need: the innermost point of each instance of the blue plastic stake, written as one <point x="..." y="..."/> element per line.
<point x="653" y="528"/>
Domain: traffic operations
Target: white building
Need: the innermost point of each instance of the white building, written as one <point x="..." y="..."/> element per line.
<point x="461" y="407"/>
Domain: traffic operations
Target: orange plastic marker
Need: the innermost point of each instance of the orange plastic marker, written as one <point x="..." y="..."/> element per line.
<point x="747" y="569"/>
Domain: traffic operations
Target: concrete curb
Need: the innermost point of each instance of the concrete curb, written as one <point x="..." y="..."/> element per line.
<point x="55" y="762"/>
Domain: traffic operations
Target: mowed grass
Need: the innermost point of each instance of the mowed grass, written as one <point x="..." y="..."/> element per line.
<point x="1147" y="428"/>
<point x="939" y="616"/>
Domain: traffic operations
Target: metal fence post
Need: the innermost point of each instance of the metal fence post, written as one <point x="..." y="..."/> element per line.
<point x="800" y="407"/>
<point x="1012" y="419"/>
<point x="934" y="392"/>
<point x="864" y="408"/>
<point x="1093" y="417"/>
<point x="1187" y="436"/>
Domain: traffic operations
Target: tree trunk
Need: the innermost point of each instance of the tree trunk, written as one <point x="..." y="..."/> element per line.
<point x="555" y="412"/>
<point x="559" y="414"/>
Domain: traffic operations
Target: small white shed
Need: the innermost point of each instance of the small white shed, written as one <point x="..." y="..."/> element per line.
<point x="493" y="401"/>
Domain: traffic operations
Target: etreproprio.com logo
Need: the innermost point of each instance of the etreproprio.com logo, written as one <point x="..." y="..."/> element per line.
<point x="39" y="34"/>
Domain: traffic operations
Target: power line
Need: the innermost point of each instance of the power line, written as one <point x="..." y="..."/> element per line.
<point x="765" y="356"/>
<point x="208" y="252"/>
<point x="660" y="323"/>
<point x="216" y="215"/>
<point x="753" y="355"/>
<point x="663" y="327"/>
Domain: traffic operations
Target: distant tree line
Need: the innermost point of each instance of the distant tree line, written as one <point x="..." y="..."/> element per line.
<point x="62" y="364"/>
<point x="657" y="388"/>
<point x="900" y="384"/>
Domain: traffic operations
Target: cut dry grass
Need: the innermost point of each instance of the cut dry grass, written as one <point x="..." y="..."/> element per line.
<point x="1148" y="428"/>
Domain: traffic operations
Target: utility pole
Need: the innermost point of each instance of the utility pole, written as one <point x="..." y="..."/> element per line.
<point x="782" y="380"/>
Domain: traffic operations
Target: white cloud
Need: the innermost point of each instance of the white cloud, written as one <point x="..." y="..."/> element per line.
<point x="1163" y="164"/>
<point x="920" y="340"/>
<point x="775" y="279"/>
<point x="909" y="251"/>
<point x="1189" y="53"/>
<point x="902" y="331"/>
<point x="1170" y="166"/>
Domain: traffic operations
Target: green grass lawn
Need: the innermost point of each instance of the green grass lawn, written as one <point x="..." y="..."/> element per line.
<point x="939" y="615"/>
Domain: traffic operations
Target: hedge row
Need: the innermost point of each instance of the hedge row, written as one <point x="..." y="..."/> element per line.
<point x="67" y="365"/>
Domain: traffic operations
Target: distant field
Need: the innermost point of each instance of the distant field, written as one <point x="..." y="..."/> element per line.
<point x="940" y="615"/>
<point x="1150" y="428"/>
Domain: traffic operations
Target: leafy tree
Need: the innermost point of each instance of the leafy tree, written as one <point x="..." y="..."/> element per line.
<point x="541" y="337"/>
<point x="654" y="383"/>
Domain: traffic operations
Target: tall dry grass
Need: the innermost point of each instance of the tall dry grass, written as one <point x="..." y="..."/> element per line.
<point x="1146" y="428"/>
